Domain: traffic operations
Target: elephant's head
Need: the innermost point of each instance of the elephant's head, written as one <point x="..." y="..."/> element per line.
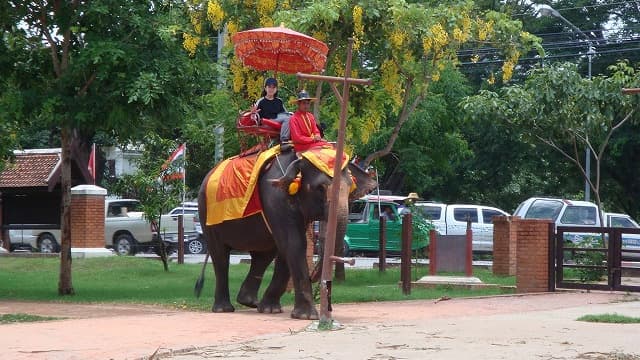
<point x="309" y="185"/>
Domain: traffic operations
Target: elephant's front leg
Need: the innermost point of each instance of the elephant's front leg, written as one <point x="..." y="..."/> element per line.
<point x="304" y="307"/>
<point x="248" y="294"/>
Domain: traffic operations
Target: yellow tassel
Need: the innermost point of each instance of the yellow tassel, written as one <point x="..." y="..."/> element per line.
<point x="294" y="186"/>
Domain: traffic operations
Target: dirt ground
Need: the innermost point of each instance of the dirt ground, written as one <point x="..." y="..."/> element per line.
<point x="540" y="326"/>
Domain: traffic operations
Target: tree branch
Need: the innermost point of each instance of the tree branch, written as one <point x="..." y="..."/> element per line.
<point x="403" y="117"/>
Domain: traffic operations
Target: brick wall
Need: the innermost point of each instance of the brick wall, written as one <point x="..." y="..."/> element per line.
<point x="532" y="260"/>
<point x="505" y="236"/>
<point x="87" y="212"/>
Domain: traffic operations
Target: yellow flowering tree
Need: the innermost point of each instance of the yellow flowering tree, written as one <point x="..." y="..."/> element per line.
<point x="402" y="46"/>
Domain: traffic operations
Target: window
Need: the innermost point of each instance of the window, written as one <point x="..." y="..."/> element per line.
<point x="581" y="215"/>
<point x="544" y="209"/>
<point x="488" y="214"/>
<point x="431" y="212"/>
<point x="357" y="212"/>
<point x="466" y="214"/>
<point x="623" y="222"/>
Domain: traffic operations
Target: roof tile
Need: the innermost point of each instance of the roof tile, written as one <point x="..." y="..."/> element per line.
<point x="29" y="170"/>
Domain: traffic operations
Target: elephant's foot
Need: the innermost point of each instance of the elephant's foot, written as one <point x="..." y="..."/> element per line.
<point x="269" y="308"/>
<point x="223" y="307"/>
<point x="305" y="313"/>
<point x="247" y="300"/>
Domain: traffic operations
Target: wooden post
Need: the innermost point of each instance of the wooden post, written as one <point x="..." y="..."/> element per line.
<point x="433" y="236"/>
<point x="469" y="251"/>
<point x="180" y="239"/>
<point x="382" y="253"/>
<point x="327" y="262"/>
<point x="405" y="264"/>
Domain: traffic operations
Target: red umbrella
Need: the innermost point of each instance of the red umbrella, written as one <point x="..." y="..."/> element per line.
<point x="280" y="49"/>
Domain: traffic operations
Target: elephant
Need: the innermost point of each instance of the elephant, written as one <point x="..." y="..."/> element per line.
<point x="282" y="237"/>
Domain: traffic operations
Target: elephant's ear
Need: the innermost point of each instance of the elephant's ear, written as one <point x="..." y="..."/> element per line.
<point x="364" y="182"/>
<point x="289" y="175"/>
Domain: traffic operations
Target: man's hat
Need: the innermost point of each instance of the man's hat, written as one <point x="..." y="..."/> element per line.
<point x="304" y="95"/>
<point x="271" y="81"/>
<point x="413" y="196"/>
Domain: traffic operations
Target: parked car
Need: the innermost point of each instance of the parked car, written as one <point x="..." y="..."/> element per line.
<point x="363" y="227"/>
<point x="126" y="230"/>
<point x="565" y="212"/>
<point x="452" y="220"/>
<point x="193" y="242"/>
<point x="562" y="211"/>
<point x="629" y="241"/>
<point x="35" y="238"/>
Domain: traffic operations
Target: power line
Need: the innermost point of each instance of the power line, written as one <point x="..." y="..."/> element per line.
<point x="583" y="7"/>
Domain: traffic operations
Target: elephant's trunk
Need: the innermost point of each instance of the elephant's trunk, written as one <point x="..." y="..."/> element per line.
<point x="341" y="229"/>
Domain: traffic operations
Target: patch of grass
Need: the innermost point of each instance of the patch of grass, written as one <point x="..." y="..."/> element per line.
<point x="143" y="281"/>
<point x="610" y="318"/>
<point x="16" y="318"/>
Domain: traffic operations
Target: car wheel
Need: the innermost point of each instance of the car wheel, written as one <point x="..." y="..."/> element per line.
<point x="47" y="243"/>
<point x="124" y="245"/>
<point x="196" y="246"/>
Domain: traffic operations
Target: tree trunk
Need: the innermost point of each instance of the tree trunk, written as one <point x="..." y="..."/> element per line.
<point x="65" y="286"/>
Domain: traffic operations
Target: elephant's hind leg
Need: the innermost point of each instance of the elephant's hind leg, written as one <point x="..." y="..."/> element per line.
<point x="248" y="294"/>
<point x="220" y="259"/>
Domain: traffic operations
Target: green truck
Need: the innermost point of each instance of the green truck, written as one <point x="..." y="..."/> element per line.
<point x="363" y="228"/>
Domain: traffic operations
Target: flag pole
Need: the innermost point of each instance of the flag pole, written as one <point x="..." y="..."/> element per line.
<point x="184" y="182"/>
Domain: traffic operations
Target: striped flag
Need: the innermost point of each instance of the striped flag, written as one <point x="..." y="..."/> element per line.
<point x="173" y="167"/>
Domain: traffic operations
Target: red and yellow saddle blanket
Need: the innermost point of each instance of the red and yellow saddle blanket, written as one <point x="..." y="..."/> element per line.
<point x="231" y="189"/>
<point x="324" y="158"/>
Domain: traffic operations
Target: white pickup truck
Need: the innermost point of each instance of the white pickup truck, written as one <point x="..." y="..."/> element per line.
<point x="452" y="220"/>
<point x="565" y="212"/>
<point x="127" y="230"/>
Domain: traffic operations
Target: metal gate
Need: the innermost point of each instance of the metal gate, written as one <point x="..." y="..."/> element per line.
<point x="599" y="258"/>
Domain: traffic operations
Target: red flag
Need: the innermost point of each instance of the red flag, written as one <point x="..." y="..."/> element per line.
<point x="177" y="155"/>
<point x="92" y="164"/>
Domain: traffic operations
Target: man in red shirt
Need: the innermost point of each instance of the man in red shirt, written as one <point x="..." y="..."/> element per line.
<point x="304" y="129"/>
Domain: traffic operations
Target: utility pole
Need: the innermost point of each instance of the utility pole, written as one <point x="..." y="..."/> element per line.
<point x="546" y="10"/>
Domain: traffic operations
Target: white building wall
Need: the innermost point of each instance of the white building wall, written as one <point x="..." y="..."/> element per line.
<point x="125" y="158"/>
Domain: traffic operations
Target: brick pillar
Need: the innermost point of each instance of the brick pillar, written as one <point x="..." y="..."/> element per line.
<point x="532" y="259"/>
<point x="505" y="239"/>
<point x="87" y="216"/>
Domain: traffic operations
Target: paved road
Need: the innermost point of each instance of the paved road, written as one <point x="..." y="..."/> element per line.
<point x="504" y="327"/>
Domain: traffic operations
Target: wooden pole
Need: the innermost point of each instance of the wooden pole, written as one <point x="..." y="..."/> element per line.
<point x="329" y="245"/>
<point x="330" y="240"/>
<point x="382" y="246"/>
<point x="405" y="264"/>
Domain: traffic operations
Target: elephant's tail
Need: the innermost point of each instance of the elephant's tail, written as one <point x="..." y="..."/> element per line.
<point x="200" y="282"/>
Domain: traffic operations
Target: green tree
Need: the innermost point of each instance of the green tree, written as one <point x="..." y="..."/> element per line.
<point x="83" y="66"/>
<point x="403" y="46"/>
<point x="559" y="108"/>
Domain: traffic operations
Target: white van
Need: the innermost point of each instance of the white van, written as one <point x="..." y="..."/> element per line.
<point x="452" y="220"/>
